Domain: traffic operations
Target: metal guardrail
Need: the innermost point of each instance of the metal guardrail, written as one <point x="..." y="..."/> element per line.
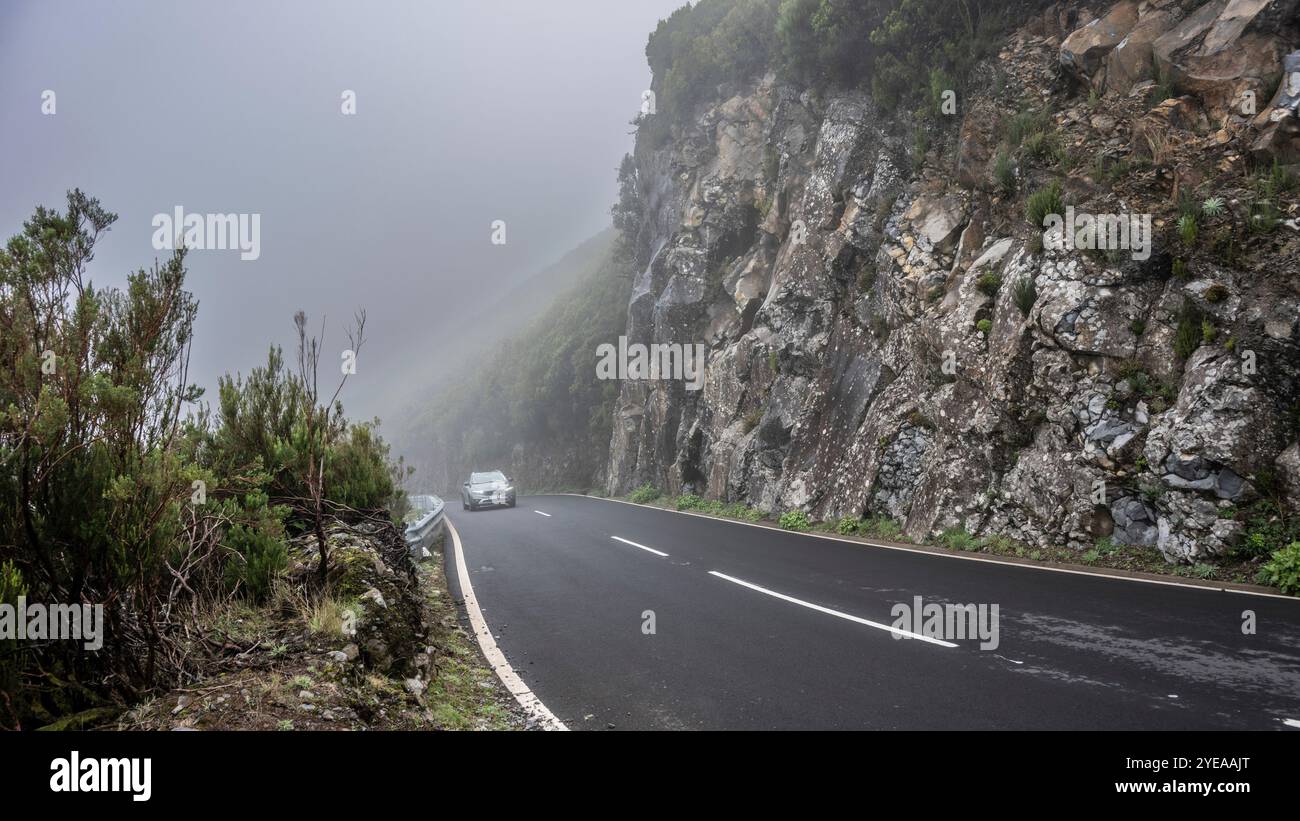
<point x="423" y="532"/>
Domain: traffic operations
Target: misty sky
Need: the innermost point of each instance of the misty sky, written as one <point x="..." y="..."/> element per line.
<point x="467" y="112"/>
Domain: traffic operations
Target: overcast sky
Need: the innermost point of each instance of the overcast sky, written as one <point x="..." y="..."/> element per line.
<point x="466" y="112"/>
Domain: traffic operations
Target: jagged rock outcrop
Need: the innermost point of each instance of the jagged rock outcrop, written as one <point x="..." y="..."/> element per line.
<point x="897" y="342"/>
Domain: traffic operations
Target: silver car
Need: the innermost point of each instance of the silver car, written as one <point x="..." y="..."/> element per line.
<point x="490" y="489"/>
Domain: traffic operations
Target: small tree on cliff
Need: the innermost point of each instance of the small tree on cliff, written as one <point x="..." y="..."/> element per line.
<point x="321" y="424"/>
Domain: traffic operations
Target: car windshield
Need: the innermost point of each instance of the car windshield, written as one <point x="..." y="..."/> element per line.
<point x="480" y="478"/>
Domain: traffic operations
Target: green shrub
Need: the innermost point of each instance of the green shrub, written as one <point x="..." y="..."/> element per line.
<point x="258" y="560"/>
<point x="794" y="520"/>
<point x="688" y="501"/>
<point x="848" y="526"/>
<point x="644" y="494"/>
<point x="989" y="283"/>
<point x="984" y="326"/>
<point x="1042" y="202"/>
<point x="1267" y="530"/>
<point x="1283" y="570"/>
<point x="738" y="510"/>
<point x="1187" y="229"/>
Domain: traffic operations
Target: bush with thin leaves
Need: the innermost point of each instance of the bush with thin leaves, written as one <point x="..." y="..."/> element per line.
<point x="1044" y="201"/>
<point x="1025" y="294"/>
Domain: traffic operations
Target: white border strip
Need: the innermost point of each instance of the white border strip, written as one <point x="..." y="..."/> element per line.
<point x="899" y="633"/>
<point x="530" y="702"/>
<point x="940" y="554"/>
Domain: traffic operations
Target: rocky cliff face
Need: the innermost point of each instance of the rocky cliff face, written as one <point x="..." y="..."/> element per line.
<point x="887" y="333"/>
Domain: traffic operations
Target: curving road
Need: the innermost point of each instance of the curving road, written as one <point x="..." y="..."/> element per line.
<point x="758" y="628"/>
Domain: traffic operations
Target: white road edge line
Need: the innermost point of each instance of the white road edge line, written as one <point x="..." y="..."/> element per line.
<point x="941" y="555"/>
<point x="1291" y="722"/>
<point x="643" y="547"/>
<point x="540" y="513"/>
<point x="858" y="619"/>
<point x="530" y="702"/>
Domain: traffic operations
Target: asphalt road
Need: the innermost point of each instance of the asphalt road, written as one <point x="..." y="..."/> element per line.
<point x="567" y="603"/>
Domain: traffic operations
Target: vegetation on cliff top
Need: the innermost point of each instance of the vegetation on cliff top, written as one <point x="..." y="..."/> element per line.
<point x="894" y="48"/>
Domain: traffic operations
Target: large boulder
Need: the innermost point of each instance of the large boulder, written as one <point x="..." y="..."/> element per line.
<point x="1226" y="48"/>
<point x="1288" y="470"/>
<point x="937" y="222"/>
<point x="1279" y="123"/>
<point x="1220" y="433"/>
<point x="1083" y="52"/>
<point x="1130" y="62"/>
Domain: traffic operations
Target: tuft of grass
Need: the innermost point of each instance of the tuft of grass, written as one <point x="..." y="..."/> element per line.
<point x="1025" y="294"/>
<point x="984" y="326"/>
<point x="1208" y="332"/>
<point x="1188" y="336"/>
<point x="956" y="538"/>
<point x="1024" y="125"/>
<point x="329" y="617"/>
<point x="1004" y="171"/>
<point x="880" y="527"/>
<point x="1042" y="202"/>
<point x="1187" y="229"/>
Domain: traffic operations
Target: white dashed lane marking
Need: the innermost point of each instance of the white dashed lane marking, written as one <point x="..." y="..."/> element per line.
<point x="643" y="547"/>
<point x="856" y="619"/>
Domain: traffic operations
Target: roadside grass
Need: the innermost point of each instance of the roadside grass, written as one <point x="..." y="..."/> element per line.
<point x="285" y="679"/>
<point x="465" y="693"/>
